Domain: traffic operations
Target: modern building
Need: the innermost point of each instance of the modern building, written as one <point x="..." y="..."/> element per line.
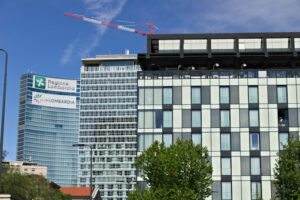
<point x="48" y="125"/>
<point x="26" y="167"/>
<point x="236" y="94"/>
<point x="108" y="114"/>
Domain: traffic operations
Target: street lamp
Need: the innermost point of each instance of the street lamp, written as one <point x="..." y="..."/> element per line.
<point x="91" y="176"/>
<point x="3" y="113"/>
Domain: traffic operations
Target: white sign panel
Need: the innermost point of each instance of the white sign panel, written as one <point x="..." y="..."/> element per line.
<point x="53" y="100"/>
<point x="54" y="84"/>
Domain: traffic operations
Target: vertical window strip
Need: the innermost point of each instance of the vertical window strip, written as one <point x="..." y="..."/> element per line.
<point x="225" y="118"/>
<point x="196" y="118"/>
<point x="226" y="190"/>
<point x="167" y="95"/>
<point x="253" y="94"/>
<point x="281" y="94"/>
<point x="225" y="141"/>
<point x="254" y="141"/>
<point x="196" y="95"/>
<point x="255" y="166"/>
<point x="167" y="119"/>
<point x="253" y="118"/>
<point x="226" y="166"/>
<point x="283" y="140"/>
<point x="224" y="95"/>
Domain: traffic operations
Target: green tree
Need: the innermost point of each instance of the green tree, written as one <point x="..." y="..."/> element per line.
<point x="29" y="186"/>
<point x="181" y="171"/>
<point x="287" y="171"/>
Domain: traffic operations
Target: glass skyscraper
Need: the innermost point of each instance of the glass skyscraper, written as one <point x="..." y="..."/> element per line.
<point x="48" y="125"/>
<point x="108" y="123"/>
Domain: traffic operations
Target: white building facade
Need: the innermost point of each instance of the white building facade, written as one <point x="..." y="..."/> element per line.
<point x="108" y="117"/>
<point x="216" y="90"/>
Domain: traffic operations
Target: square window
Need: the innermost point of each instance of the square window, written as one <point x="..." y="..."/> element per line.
<point x="196" y="138"/>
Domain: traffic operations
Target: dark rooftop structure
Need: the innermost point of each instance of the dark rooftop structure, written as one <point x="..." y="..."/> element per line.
<point x="226" y="51"/>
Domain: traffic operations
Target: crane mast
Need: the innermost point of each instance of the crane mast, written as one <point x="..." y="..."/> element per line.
<point x="124" y="28"/>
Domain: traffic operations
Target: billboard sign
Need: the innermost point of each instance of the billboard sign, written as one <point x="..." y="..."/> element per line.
<point x="53" y="100"/>
<point x="54" y="84"/>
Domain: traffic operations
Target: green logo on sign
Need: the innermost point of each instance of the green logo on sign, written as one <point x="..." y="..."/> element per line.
<point x="40" y="82"/>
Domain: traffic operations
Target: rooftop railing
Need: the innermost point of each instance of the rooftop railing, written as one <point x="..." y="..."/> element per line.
<point x="219" y="74"/>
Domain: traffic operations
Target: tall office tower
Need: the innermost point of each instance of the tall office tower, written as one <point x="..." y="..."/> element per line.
<point x="108" y="123"/>
<point x="236" y="94"/>
<point x="49" y="125"/>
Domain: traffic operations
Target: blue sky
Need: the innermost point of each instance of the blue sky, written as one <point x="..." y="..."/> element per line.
<point x="40" y="39"/>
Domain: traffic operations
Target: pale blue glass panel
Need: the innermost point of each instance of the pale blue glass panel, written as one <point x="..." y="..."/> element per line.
<point x="224" y="95"/>
<point x="148" y="140"/>
<point x="281" y="94"/>
<point x="196" y="138"/>
<point x="225" y="119"/>
<point x="196" y="118"/>
<point x="167" y="139"/>
<point x="255" y="166"/>
<point x="167" y="95"/>
<point x="254" y="141"/>
<point x="167" y="118"/>
<point x="196" y="95"/>
<point x="253" y="118"/>
<point x="225" y="141"/>
<point x="283" y="140"/>
<point x="253" y="94"/>
<point x="226" y="190"/>
<point x="255" y="190"/>
<point x="226" y="166"/>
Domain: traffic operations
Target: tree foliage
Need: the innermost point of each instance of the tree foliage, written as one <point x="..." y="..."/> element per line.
<point x="287" y="171"/>
<point x="29" y="187"/>
<point x="181" y="171"/>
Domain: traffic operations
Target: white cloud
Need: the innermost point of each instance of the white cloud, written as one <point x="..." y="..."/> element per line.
<point x="68" y="52"/>
<point x="105" y="10"/>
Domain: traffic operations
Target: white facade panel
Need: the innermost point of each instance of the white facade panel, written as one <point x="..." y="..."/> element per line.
<point x="234" y="115"/>
<point x="243" y="94"/>
<point x="246" y="190"/>
<point x="263" y="118"/>
<point x="236" y="190"/>
<point x="236" y="166"/>
<point x="215" y="142"/>
<point x="244" y="141"/>
<point x="263" y="94"/>
<point x="205" y="118"/>
<point x="273" y="118"/>
<point x="214" y="94"/>
<point x="292" y="94"/>
<point x="216" y="166"/>
<point x="177" y="118"/>
<point x="186" y="95"/>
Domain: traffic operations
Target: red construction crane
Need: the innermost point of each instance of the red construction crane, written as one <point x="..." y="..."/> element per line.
<point x="124" y="28"/>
